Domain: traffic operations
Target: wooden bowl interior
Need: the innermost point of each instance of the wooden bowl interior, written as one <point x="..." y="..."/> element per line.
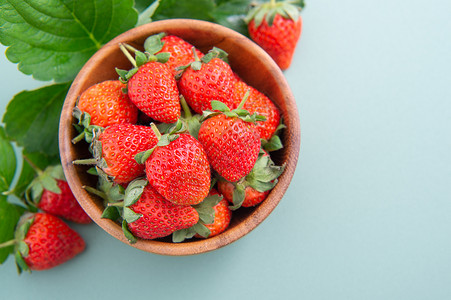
<point x="249" y="61"/>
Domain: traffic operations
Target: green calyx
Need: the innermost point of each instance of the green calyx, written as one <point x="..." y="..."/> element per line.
<point x="172" y="133"/>
<point x="263" y="177"/>
<point x="84" y="127"/>
<point x="206" y="212"/>
<point x="220" y="108"/>
<point x="141" y="58"/>
<point x="269" y="10"/>
<point x="274" y="143"/>
<point x="46" y="180"/>
<point x="21" y="248"/>
<point x="117" y="202"/>
<point x="196" y="65"/>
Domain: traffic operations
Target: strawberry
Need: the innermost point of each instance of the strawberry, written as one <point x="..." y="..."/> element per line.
<point x="148" y="215"/>
<point x="180" y="50"/>
<point x="262" y="105"/>
<point x="44" y="241"/>
<point x="178" y="167"/>
<point x="222" y="218"/>
<point x="255" y="187"/>
<point x="209" y="79"/>
<point x="114" y="150"/>
<point x="232" y="144"/>
<point x="107" y="104"/>
<point x="50" y="192"/>
<point x="276" y="27"/>
<point x="151" y="85"/>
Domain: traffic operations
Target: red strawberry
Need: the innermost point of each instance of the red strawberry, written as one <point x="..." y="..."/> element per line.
<point x="276" y="27"/>
<point x="262" y="105"/>
<point x="255" y="187"/>
<point x="149" y="216"/>
<point x="178" y="169"/>
<point x="107" y="104"/>
<point x="252" y="196"/>
<point x="223" y="215"/>
<point x="115" y="148"/>
<point x="181" y="52"/>
<point x="50" y="192"/>
<point x="232" y="144"/>
<point x="151" y="86"/>
<point x="210" y="79"/>
<point x="43" y="241"/>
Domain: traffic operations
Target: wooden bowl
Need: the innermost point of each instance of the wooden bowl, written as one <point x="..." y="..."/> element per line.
<point x="247" y="59"/>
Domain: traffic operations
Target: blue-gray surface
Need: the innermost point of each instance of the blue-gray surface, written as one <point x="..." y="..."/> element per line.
<point x="368" y="213"/>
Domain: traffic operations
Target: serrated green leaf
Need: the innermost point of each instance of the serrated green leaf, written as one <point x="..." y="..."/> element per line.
<point x="146" y="14"/>
<point x="23" y="248"/>
<point x="193" y="9"/>
<point x="32" y="118"/>
<point x="9" y="216"/>
<point x="53" y="40"/>
<point x="231" y="14"/>
<point x="128" y="235"/>
<point x="7" y="162"/>
<point x="21" y="264"/>
<point x="49" y="183"/>
<point x="134" y="192"/>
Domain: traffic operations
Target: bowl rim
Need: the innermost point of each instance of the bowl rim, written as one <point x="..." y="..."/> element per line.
<point x="196" y="246"/>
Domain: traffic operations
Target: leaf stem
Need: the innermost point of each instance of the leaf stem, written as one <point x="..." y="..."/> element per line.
<point x="8" y="243"/>
<point x="32" y="165"/>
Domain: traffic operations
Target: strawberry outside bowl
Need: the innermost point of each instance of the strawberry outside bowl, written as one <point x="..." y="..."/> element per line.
<point x="248" y="60"/>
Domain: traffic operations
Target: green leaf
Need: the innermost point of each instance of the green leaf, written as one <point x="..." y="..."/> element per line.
<point x="231" y="14"/>
<point x="9" y="216"/>
<point x="239" y="195"/>
<point x="153" y="43"/>
<point x="273" y="144"/>
<point x="183" y="234"/>
<point x="32" y="118"/>
<point x="134" y="191"/>
<point x="218" y="105"/>
<point x="7" y="162"/>
<point x="193" y="9"/>
<point x="128" y="235"/>
<point x="111" y="212"/>
<point x="130" y="216"/>
<point x="146" y="14"/>
<point x="53" y="40"/>
<point x="194" y="125"/>
<point x="201" y="229"/>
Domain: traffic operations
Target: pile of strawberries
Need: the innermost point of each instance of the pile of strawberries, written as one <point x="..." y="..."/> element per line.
<point x="178" y="142"/>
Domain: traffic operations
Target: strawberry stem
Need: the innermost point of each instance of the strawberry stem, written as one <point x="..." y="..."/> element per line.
<point x="8" y="243"/>
<point x="128" y="55"/>
<point x="155" y="130"/>
<point x="246" y="96"/>
<point x="131" y="48"/>
<point x="95" y="192"/>
<point x="117" y="204"/>
<point x="89" y="161"/>
<point x="78" y="138"/>
<point x="185" y="107"/>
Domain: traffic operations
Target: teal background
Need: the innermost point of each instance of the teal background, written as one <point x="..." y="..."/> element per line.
<point x="367" y="215"/>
